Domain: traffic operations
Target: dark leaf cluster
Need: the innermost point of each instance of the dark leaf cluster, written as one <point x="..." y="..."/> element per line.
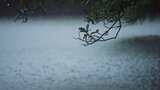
<point x="115" y="13"/>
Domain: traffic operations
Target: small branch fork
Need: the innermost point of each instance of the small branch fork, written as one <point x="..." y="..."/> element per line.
<point x="91" y="37"/>
<point x="23" y="12"/>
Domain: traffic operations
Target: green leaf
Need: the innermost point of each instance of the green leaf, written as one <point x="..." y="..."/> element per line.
<point x="81" y="29"/>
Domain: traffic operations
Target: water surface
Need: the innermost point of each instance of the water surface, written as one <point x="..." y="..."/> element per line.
<point x="42" y="55"/>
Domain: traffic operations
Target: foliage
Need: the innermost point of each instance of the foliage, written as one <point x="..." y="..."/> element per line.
<point x="115" y="13"/>
<point x="112" y="13"/>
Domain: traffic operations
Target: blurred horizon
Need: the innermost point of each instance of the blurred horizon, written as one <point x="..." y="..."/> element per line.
<point x="53" y="8"/>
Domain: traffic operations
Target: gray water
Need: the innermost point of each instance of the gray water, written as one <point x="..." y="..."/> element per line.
<point x="42" y="55"/>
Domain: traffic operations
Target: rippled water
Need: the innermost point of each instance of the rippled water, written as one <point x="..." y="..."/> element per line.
<point x="42" y="55"/>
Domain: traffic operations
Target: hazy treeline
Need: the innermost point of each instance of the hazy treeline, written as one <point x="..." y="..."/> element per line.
<point x="52" y="6"/>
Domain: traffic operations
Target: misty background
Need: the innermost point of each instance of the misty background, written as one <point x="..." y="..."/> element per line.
<point x="53" y="7"/>
<point x="42" y="53"/>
